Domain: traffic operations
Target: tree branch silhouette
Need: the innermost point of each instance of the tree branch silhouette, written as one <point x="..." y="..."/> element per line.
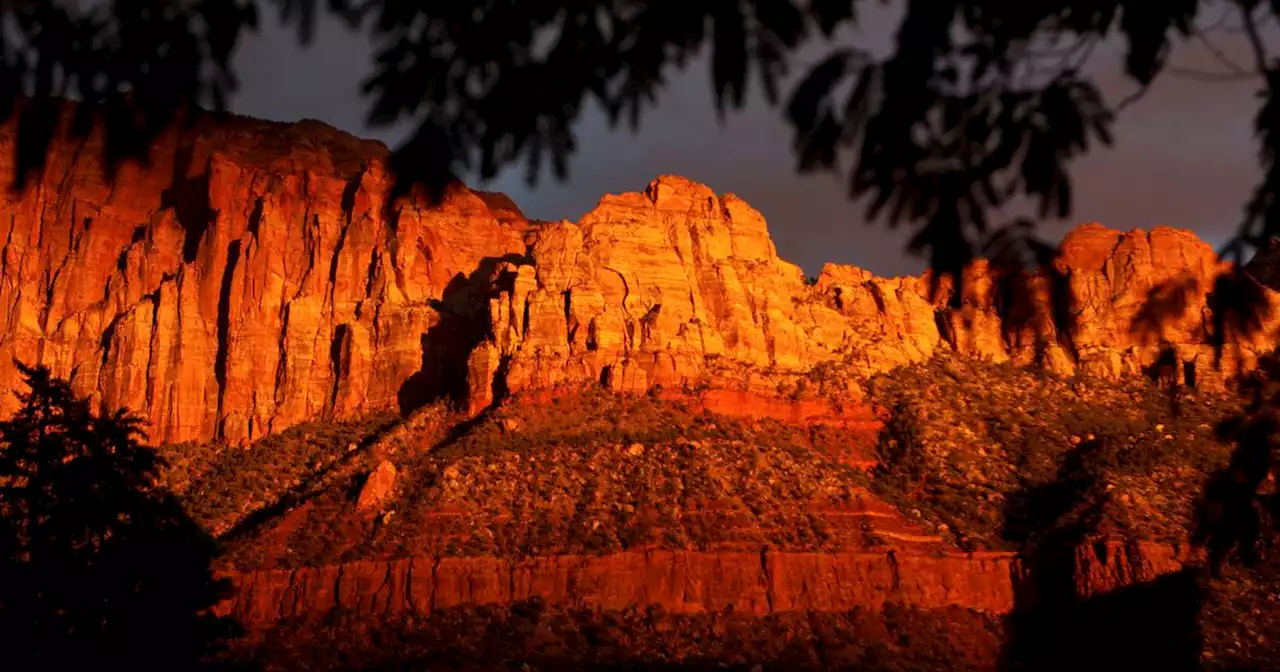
<point x="960" y="118"/>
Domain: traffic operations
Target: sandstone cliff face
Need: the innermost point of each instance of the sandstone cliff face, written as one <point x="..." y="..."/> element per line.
<point x="679" y="581"/>
<point x="683" y="581"/>
<point x="679" y="287"/>
<point x="254" y="277"/>
<point x="1105" y="565"/>
<point x="249" y="279"/>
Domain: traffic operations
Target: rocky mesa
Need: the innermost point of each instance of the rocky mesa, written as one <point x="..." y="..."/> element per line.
<point x="254" y="276"/>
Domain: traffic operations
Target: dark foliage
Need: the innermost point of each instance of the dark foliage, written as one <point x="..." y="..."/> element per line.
<point x="1144" y="625"/>
<point x="1152" y="625"/>
<point x="101" y="567"/>
<point x="1237" y="514"/>
<point x="142" y="63"/>
<point x="978" y="105"/>
<point x="533" y="635"/>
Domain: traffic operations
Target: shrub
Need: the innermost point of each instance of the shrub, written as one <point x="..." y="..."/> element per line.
<point x="968" y="444"/>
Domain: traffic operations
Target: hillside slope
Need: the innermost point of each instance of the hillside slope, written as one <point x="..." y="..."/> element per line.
<point x="635" y="517"/>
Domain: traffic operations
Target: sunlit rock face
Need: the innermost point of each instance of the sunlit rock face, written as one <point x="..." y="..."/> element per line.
<point x="253" y="276"/>
<point x="679" y="287"/>
<point x="250" y="278"/>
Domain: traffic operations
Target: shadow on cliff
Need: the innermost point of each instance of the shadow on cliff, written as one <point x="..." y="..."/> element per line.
<point x="101" y="566"/>
<point x="1166" y="306"/>
<point x="1030" y="292"/>
<point x="463" y="325"/>
<point x="1068" y="619"/>
<point x="1237" y="513"/>
<point x="1062" y="620"/>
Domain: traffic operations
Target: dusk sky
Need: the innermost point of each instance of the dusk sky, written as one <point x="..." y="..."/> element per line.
<point x="1184" y="157"/>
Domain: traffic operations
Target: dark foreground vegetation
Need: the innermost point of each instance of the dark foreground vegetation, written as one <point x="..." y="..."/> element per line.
<point x="534" y="636"/>
<point x="99" y="565"/>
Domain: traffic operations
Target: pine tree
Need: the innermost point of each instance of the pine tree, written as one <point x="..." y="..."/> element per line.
<point x="100" y="563"/>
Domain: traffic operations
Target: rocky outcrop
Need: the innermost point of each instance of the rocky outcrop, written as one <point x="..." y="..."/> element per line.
<point x="680" y="581"/>
<point x="254" y="276"/>
<point x="1108" y="564"/>
<point x="377" y="488"/>
<point x="680" y="288"/>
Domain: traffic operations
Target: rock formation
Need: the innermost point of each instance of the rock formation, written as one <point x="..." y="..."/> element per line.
<point x="254" y="276"/>
<point x="250" y="278"/>
<point x="678" y="287"/>
<point x="681" y="581"/>
<point x="378" y="487"/>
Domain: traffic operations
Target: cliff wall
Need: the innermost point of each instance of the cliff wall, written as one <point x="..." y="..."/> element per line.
<point x="254" y="276"/>
<point x="680" y="581"/>
<point x="683" y="581"/>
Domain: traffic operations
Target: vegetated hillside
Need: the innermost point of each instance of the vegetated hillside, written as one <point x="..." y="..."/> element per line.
<point x="983" y="455"/>
<point x="992" y="455"/>
<point x="586" y="472"/>
<point x="973" y="452"/>
<point x="224" y="485"/>
<point x="1240" y="618"/>
<point x="999" y="457"/>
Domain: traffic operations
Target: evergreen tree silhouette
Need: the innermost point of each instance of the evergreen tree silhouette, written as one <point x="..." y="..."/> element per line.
<point x="101" y="565"/>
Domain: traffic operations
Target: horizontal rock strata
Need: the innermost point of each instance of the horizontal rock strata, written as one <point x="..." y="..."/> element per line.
<point x="757" y="583"/>
<point x="679" y="581"/>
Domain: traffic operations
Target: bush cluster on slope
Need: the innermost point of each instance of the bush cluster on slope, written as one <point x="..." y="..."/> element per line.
<point x="979" y="450"/>
<point x="221" y="485"/>
<point x="972" y="449"/>
<point x="592" y="472"/>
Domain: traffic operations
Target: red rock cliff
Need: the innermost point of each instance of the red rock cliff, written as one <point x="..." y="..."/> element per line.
<point x="249" y="279"/>
<point x="680" y="581"/>
<point x="254" y="277"/>
<point x="683" y="581"/>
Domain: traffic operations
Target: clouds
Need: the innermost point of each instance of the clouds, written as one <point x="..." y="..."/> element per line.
<point x="1185" y="154"/>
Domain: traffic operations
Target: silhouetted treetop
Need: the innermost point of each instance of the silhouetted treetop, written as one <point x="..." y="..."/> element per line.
<point x="101" y="566"/>
<point x="977" y="104"/>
